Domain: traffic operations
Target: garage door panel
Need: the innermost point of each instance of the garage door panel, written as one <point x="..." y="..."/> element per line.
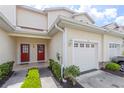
<point x="85" y="56"/>
<point x="114" y="50"/>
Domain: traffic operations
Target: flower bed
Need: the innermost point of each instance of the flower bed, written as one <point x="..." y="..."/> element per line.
<point x="5" y="71"/>
<point x="113" y="68"/>
<point x="118" y="73"/>
<point x="32" y="79"/>
<point x="69" y="74"/>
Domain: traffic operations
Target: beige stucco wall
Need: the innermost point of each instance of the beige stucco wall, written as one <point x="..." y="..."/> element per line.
<point x="7" y="47"/>
<point x="52" y="15"/>
<point x="110" y="39"/>
<point x="103" y="43"/>
<point x="82" y="35"/>
<point x="56" y="45"/>
<point x="84" y="19"/>
<point x="33" y="48"/>
<point x="31" y="19"/>
<point x="9" y="11"/>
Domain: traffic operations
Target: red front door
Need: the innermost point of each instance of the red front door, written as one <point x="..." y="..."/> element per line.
<point x="25" y="52"/>
<point x="40" y="52"/>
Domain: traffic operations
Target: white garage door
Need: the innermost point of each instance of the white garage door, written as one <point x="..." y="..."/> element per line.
<point x="114" y="50"/>
<point x="85" y="55"/>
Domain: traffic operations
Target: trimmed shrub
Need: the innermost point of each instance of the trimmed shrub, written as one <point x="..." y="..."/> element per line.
<point x="113" y="66"/>
<point x="51" y="61"/>
<point x="56" y="69"/>
<point x="71" y="72"/>
<point x="5" y="69"/>
<point x="32" y="79"/>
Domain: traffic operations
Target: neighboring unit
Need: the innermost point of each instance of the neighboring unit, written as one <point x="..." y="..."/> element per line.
<point x="29" y="35"/>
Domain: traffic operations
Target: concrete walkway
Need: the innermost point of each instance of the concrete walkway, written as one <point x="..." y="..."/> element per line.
<point x="48" y="82"/>
<point x="47" y="79"/>
<point x="15" y="80"/>
<point x="18" y="67"/>
<point x="100" y="79"/>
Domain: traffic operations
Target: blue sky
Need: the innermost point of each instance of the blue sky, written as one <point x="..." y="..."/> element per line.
<point x="119" y="18"/>
<point x="101" y="14"/>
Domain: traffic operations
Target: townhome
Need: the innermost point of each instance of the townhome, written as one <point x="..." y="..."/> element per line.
<point x="29" y="35"/>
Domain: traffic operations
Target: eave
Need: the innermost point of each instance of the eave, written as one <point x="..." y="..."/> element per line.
<point x="63" y="22"/>
<point x="5" y="24"/>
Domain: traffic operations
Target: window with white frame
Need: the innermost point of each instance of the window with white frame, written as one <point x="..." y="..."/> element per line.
<point x="114" y="49"/>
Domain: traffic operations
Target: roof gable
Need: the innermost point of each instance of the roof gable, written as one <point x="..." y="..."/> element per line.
<point x="111" y="26"/>
<point x="31" y="9"/>
<point x="85" y="15"/>
<point x="58" y="9"/>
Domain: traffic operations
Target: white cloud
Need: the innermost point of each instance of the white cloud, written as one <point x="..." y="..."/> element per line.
<point x="84" y="8"/>
<point x="94" y="12"/>
<point x="104" y="14"/>
<point x="107" y="13"/>
<point x="90" y="10"/>
<point x="48" y="6"/>
<point x="120" y="20"/>
<point x="110" y="13"/>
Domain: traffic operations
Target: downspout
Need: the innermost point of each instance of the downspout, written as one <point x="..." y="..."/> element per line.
<point x="103" y="49"/>
<point x="61" y="61"/>
<point x="60" y="29"/>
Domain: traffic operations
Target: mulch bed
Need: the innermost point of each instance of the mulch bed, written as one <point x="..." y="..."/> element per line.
<point x="67" y="84"/>
<point x="118" y="73"/>
<point x="6" y="78"/>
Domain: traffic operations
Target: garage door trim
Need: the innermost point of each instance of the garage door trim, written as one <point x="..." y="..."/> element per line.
<point x="117" y="43"/>
<point x="85" y="41"/>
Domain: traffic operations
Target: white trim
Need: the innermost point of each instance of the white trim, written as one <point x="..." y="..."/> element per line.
<point x="59" y="8"/>
<point x="73" y="51"/>
<point x="64" y="21"/>
<point x="112" y="42"/>
<point x="116" y="42"/>
<point x="19" y="53"/>
<point x="6" y="24"/>
<point x="65" y="47"/>
<point x="86" y="14"/>
<point x="103" y="47"/>
<point x="60" y="29"/>
<point x="87" y="41"/>
<point x="32" y="9"/>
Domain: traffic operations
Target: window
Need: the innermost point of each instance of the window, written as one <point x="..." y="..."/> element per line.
<point x="92" y="45"/>
<point x="75" y="44"/>
<point x="87" y="45"/>
<point x="114" y="45"/>
<point x="81" y="45"/>
<point x="109" y="45"/>
<point x="25" y="48"/>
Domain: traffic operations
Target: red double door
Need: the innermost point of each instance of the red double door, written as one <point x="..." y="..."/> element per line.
<point x="40" y="52"/>
<point x="25" y="52"/>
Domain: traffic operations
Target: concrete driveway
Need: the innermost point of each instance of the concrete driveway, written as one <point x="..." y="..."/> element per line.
<point x="100" y="79"/>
